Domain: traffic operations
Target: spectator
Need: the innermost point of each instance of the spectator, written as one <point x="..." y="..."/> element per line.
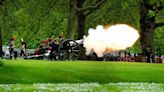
<point x="159" y="58"/>
<point x="12" y="46"/>
<point x="23" y="48"/>
<point x="148" y="54"/>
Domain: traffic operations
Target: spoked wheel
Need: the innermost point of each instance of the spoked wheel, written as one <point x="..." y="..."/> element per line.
<point x="69" y="49"/>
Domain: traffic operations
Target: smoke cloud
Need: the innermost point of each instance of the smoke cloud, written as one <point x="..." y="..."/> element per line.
<point x="114" y="38"/>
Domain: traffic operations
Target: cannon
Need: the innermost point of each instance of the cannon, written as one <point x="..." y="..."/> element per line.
<point x="67" y="50"/>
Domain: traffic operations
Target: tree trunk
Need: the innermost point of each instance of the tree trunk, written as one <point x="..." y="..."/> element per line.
<point x="1" y="44"/>
<point x="80" y="20"/>
<point x="147" y="39"/>
<point x="1" y="51"/>
<point x="147" y="26"/>
<point x="71" y="20"/>
<point x="81" y="25"/>
<point x="76" y="6"/>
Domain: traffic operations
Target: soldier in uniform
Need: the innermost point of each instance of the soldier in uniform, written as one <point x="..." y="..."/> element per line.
<point x="60" y="38"/>
<point x="53" y="48"/>
<point x="42" y="49"/>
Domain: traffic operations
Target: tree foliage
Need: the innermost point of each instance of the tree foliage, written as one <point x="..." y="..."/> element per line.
<point x="40" y="19"/>
<point x="32" y="19"/>
<point x="149" y="11"/>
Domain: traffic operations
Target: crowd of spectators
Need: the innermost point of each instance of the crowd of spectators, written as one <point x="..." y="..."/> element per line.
<point x="135" y="57"/>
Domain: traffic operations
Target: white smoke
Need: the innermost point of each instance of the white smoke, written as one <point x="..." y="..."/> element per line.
<point x="116" y="37"/>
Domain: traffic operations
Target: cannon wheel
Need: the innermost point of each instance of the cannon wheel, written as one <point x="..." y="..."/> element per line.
<point x="69" y="49"/>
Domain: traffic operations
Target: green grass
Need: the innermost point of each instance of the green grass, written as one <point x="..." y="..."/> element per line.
<point x="1" y="63"/>
<point x="35" y="71"/>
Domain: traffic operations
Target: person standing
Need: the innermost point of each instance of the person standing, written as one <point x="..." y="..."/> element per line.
<point x="23" y="48"/>
<point x="11" y="47"/>
<point x="148" y="55"/>
<point x="54" y="49"/>
<point x="60" y="38"/>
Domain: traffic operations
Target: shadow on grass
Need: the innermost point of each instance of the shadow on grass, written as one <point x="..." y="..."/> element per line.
<point x="1" y="63"/>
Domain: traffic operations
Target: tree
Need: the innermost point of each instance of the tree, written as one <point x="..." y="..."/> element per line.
<point x="77" y="10"/>
<point x="1" y="1"/>
<point x="149" y="11"/>
<point x="159" y="41"/>
<point x="81" y="15"/>
<point x="32" y="19"/>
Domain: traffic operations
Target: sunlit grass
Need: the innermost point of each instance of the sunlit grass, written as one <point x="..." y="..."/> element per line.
<point x="43" y="71"/>
<point x="83" y="87"/>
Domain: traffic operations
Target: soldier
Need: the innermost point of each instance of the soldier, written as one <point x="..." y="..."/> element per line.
<point x="42" y="49"/>
<point x="54" y="48"/>
<point x="60" y="38"/>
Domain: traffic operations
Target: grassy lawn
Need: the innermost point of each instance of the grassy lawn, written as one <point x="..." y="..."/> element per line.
<point x="35" y="71"/>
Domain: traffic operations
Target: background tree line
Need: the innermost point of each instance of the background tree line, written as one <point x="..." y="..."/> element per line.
<point x="40" y="19"/>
